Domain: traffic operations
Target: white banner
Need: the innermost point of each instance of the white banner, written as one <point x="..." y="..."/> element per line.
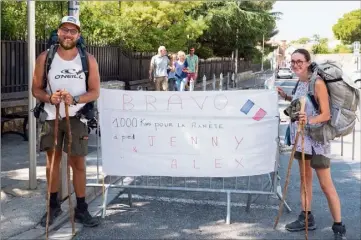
<point x="188" y="134"/>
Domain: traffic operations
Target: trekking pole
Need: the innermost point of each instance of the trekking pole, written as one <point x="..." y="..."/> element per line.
<point x="285" y="188"/>
<point x="56" y="128"/>
<point x="71" y="210"/>
<point x="303" y="179"/>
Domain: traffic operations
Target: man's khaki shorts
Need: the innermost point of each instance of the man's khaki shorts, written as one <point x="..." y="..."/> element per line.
<point x="317" y="161"/>
<point x="79" y="132"/>
<point x="161" y="83"/>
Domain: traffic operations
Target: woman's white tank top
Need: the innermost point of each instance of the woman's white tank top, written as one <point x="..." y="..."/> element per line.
<point x="66" y="75"/>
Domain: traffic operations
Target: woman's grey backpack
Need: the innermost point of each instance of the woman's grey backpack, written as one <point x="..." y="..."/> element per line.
<point x="344" y="98"/>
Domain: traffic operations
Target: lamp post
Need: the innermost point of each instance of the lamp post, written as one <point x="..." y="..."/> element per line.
<point x="32" y="102"/>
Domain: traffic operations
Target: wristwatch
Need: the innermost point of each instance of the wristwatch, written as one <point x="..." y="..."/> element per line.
<point x="76" y="100"/>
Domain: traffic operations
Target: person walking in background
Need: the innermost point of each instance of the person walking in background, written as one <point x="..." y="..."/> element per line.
<point x="158" y="69"/>
<point x="192" y="61"/>
<point x="181" y="71"/>
<point x="171" y="73"/>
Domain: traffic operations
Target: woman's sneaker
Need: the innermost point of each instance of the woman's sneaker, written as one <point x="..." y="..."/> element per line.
<point x="300" y="223"/>
<point x="339" y="232"/>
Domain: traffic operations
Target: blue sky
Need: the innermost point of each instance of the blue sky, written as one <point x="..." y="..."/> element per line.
<point x="306" y="18"/>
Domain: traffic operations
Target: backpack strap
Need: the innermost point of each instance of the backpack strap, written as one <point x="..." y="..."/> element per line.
<point x="85" y="63"/>
<point x="334" y="80"/>
<point x="48" y="60"/>
<point x="295" y="88"/>
<point x="311" y="89"/>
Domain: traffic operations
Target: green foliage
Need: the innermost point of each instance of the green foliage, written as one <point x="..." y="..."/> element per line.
<point x="237" y="24"/>
<point x="341" y="48"/>
<point x="303" y="40"/>
<point x="205" y="52"/>
<point x="321" y="46"/>
<point x="215" y="28"/>
<point x="14" y="18"/>
<point x="141" y="26"/>
<point x="348" y="28"/>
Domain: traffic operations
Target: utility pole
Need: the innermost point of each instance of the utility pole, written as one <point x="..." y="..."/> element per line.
<point x="32" y="101"/>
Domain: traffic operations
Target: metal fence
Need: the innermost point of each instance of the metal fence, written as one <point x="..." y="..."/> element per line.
<point x="266" y="184"/>
<point x="114" y="64"/>
<point x="234" y="81"/>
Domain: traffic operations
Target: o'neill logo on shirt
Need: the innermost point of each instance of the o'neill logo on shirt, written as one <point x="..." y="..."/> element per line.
<point x="69" y="73"/>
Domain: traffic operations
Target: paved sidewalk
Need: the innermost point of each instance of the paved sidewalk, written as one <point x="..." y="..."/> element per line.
<point x="21" y="208"/>
<point x="188" y="215"/>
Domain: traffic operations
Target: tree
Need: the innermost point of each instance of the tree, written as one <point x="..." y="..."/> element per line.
<point x="321" y="46"/>
<point x="348" y="28"/>
<point x="14" y="18"/>
<point x="213" y="27"/>
<point x="303" y="40"/>
<point x="341" y="48"/>
<point x="142" y="26"/>
<point x="237" y="25"/>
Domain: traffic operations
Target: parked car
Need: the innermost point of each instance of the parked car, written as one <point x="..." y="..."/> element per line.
<point x="285" y="73"/>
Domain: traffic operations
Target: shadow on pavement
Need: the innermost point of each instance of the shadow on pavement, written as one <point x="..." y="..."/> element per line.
<point x="160" y="217"/>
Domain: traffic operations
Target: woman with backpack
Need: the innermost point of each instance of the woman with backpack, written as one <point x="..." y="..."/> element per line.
<point x="315" y="152"/>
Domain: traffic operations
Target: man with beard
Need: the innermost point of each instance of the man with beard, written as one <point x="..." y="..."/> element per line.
<point x="66" y="84"/>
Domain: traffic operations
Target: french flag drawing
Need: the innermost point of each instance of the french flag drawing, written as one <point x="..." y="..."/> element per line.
<point x="251" y="109"/>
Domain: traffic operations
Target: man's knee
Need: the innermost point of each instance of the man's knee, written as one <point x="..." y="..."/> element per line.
<point x="77" y="163"/>
<point x="50" y="157"/>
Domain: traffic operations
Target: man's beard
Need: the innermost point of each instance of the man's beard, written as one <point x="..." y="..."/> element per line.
<point x="68" y="45"/>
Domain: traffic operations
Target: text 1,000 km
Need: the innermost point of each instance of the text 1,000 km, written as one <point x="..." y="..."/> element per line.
<point x="125" y="122"/>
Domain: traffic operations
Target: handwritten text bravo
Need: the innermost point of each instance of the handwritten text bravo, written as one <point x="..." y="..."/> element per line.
<point x="151" y="102"/>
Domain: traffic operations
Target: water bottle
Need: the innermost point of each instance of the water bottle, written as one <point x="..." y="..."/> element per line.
<point x="182" y="85"/>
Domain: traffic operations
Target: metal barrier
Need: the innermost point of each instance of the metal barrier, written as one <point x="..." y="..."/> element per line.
<point x="266" y="184"/>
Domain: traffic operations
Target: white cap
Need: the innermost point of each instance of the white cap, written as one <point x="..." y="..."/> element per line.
<point x="70" y="19"/>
